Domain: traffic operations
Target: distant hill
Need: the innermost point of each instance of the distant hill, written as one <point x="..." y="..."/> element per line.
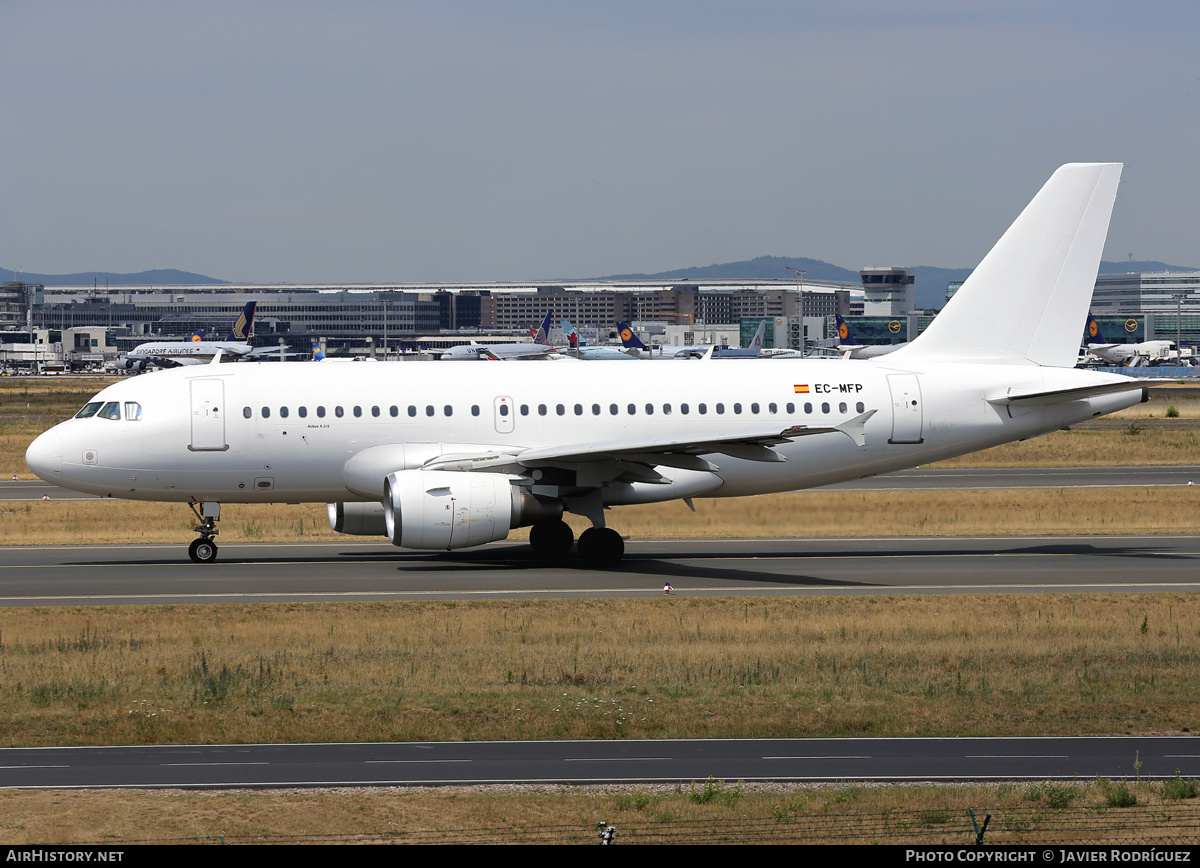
<point x="760" y="268"/>
<point x="157" y="277"/>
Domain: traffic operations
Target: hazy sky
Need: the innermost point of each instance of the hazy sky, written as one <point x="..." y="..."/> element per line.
<point x="389" y="141"/>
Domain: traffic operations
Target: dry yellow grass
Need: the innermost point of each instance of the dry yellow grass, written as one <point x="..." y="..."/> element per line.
<point x="656" y="668"/>
<point x="736" y="813"/>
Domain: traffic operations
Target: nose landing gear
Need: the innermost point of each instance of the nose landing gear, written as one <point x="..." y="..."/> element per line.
<point x="204" y="550"/>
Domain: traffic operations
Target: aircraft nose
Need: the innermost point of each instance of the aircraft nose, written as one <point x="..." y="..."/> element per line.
<point x="44" y="456"/>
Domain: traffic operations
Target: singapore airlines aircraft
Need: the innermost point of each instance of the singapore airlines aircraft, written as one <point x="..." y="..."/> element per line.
<point x="197" y="351"/>
<point x="437" y="456"/>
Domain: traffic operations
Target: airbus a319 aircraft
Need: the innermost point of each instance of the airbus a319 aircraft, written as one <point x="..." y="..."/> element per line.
<point x="437" y="456"/>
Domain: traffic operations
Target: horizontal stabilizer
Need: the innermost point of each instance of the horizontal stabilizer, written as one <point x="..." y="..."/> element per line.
<point x="1057" y="396"/>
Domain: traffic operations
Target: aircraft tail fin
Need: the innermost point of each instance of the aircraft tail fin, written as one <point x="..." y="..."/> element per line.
<point x="845" y="335"/>
<point x="1028" y="297"/>
<point x="628" y="339"/>
<point x="542" y="335"/>
<point x="244" y="326"/>
<point x="756" y="342"/>
<point x="572" y="336"/>
<point x="1093" y="334"/>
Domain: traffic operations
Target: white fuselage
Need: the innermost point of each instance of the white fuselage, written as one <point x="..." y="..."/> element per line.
<point x="285" y="432"/>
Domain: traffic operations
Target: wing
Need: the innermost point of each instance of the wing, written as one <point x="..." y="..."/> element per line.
<point x="640" y="456"/>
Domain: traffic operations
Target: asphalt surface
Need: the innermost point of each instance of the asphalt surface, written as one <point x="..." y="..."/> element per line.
<point x="600" y="762"/>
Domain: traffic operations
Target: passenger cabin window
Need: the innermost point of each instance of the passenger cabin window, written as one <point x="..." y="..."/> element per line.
<point x="89" y="410"/>
<point x="412" y="410"/>
<point x="247" y="412"/>
<point x="302" y="412"/>
<point x="394" y="411"/>
<point x="375" y="412"/>
<point x="266" y="412"/>
<point x="842" y="407"/>
<point x="358" y="412"/>
<point x="448" y="410"/>
<point x="320" y="412"/>
<point x="339" y="412"/>
<point x="474" y="409"/>
<point x="283" y="412"/>
<point x="860" y="407"/>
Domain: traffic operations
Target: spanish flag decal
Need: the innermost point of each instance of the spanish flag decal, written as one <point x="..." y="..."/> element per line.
<point x="801" y="390"/>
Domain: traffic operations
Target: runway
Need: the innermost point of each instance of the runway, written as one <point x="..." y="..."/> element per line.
<point x="343" y="571"/>
<point x="600" y="762"/>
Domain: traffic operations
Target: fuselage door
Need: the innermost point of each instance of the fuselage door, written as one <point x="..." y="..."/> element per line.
<point x="504" y="412"/>
<point x="208" y="416"/>
<point x="907" y="412"/>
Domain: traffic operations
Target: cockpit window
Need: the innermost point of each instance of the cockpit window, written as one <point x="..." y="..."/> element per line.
<point x="111" y="410"/>
<point x="133" y="411"/>
<point x="89" y="410"/>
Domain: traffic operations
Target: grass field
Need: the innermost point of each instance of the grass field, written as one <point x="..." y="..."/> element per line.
<point x="706" y="812"/>
<point x="665" y="667"/>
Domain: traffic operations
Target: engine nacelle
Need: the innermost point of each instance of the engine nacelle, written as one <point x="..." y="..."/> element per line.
<point x="447" y="509"/>
<point x="358" y="519"/>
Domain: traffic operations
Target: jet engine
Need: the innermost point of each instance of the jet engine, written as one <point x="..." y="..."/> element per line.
<point x="448" y="509"/>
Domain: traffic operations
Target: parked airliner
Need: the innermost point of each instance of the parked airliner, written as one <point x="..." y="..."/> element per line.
<point x="173" y="354"/>
<point x="437" y="456"/>
<point x="1144" y="353"/>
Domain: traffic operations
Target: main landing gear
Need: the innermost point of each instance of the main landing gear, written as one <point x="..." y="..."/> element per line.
<point x="204" y="550"/>
<point x="598" y="546"/>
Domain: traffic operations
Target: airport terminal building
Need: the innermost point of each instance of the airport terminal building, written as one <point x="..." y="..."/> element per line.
<point x="85" y="326"/>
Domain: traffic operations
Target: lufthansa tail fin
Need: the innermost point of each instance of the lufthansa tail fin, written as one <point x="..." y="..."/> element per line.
<point x="1028" y="297"/>
<point x="845" y="335"/>
<point x="244" y="327"/>
<point x="628" y="339"/>
<point x="1093" y="335"/>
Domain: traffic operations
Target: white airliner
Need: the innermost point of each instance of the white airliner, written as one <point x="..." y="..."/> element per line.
<point x="539" y="349"/>
<point x="174" y="354"/>
<point x="753" y="350"/>
<point x="1133" y="355"/>
<point x="437" y="456"/>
